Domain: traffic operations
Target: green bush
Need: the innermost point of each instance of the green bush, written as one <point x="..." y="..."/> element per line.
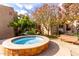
<point x="52" y="36"/>
<point x="32" y="32"/>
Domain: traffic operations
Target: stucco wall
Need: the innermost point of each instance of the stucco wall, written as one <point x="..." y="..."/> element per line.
<point x="6" y="15"/>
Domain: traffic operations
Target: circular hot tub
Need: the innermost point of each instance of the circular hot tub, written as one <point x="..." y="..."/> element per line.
<point x="25" y="45"/>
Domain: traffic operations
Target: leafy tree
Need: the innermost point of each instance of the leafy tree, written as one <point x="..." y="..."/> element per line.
<point x="47" y="17"/>
<point x="21" y="24"/>
<point x="71" y="12"/>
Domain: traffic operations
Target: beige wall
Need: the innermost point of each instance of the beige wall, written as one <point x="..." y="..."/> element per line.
<point x="6" y="15"/>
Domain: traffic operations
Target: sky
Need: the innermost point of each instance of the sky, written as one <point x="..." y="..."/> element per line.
<point x="27" y="8"/>
<point x="39" y="1"/>
<point x="23" y="8"/>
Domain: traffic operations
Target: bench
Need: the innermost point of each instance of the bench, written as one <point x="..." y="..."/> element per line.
<point x="68" y="38"/>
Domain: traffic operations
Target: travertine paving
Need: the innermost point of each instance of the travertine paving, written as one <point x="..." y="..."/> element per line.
<point x="74" y="49"/>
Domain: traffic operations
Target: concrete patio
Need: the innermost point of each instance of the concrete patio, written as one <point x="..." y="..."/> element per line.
<point x="56" y="48"/>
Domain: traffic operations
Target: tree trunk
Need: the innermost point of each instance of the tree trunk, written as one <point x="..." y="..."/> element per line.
<point x="65" y="28"/>
<point x="48" y="31"/>
<point x="57" y="30"/>
<point x="51" y="30"/>
<point x="16" y="33"/>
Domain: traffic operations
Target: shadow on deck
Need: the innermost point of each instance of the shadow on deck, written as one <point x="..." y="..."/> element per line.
<point x="52" y="49"/>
